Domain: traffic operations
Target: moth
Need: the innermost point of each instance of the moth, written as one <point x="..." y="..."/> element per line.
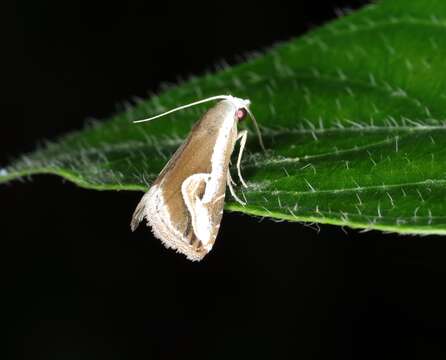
<point x="184" y="205"/>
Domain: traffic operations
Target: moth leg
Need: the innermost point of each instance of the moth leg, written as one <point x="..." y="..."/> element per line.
<point x="231" y="189"/>
<point x="230" y="178"/>
<point x="242" y="135"/>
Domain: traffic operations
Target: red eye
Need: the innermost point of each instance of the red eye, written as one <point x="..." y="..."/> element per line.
<point x="240" y="113"/>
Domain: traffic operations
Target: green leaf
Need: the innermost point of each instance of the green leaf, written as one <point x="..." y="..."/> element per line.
<point x="352" y="114"/>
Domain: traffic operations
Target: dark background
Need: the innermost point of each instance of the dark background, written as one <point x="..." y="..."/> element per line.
<point x="77" y="284"/>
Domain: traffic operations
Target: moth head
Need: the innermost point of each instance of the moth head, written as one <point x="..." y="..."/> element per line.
<point x="240" y="114"/>
<point x="242" y="107"/>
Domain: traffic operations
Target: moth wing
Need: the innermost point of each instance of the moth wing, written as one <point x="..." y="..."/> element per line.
<point x="139" y="213"/>
<point x="205" y="216"/>
<point x="173" y="206"/>
<point x="182" y="221"/>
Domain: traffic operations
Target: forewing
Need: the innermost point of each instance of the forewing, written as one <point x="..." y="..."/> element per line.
<point x="164" y="205"/>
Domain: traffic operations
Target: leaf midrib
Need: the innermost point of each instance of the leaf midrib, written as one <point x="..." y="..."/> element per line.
<point x="383" y="187"/>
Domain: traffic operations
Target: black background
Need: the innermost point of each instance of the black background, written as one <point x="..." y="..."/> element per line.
<point x="77" y="284"/>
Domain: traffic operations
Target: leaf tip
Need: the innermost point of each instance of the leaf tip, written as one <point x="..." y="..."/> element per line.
<point x="3" y="172"/>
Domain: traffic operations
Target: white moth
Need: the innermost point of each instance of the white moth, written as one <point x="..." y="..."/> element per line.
<point x="184" y="205"/>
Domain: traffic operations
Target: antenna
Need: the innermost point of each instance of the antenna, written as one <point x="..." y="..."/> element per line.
<point x="259" y="134"/>
<point x="184" y="107"/>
